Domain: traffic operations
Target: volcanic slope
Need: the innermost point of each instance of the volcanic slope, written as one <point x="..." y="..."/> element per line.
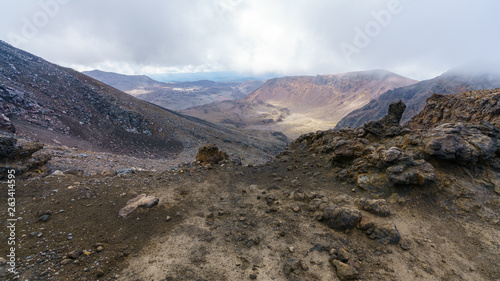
<point x="301" y="104"/>
<point x="414" y="96"/>
<point x="379" y="202"/>
<point x="57" y="105"/>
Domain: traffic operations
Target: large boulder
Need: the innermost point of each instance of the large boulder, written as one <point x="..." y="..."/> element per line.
<point x="210" y="154"/>
<point x="415" y="172"/>
<point x="458" y="142"/>
<point x="341" y="218"/>
<point x="385" y="233"/>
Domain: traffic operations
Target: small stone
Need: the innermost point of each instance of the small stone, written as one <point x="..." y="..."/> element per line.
<point x="343" y="255"/>
<point x="87" y="253"/>
<point x="291" y="265"/>
<point x="392" y="154"/>
<point x="363" y="179"/>
<point x="345" y="271"/>
<point x="66" y="261"/>
<point x="100" y="248"/>
<point x="253" y="276"/>
<point x="74" y="254"/>
<point x="36" y="234"/>
<point x="291" y="249"/>
<point x="56" y="173"/>
<point x="99" y="272"/>
<point x="140" y="201"/>
<point x="296" y="209"/>
<point x="365" y="223"/>
<point x="44" y="218"/>
<point x="168" y="218"/>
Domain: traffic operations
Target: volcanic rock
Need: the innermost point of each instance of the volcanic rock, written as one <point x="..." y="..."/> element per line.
<point x="140" y="201"/>
<point x="210" y="154"/>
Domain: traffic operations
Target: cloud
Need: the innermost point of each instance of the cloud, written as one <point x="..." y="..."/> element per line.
<point x="419" y="39"/>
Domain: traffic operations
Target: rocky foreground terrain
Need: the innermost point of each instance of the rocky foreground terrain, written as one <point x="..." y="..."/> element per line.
<point x="379" y="202"/>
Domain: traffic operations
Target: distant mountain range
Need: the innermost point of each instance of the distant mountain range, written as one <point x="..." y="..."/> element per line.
<point x="414" y="96"/>
<point x="300" y="104"/>
<point x="58" y="105"/>
<point x="218" y="76"/>
<point x="178" y="95"/>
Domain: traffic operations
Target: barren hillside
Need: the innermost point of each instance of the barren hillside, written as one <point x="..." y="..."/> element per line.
<point x="61" y="106"/>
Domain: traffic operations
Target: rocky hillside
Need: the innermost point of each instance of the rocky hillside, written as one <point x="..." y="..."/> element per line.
<point x="57" y="105"/>
<point x="474" y="107"/>
<point x="379" y="202"/>
<point x="176" y="96"/>
<point x="296" y="105"/>
<point x="123" y="82"/>
<point x="414" y="96"/>
<point x="328" y="93"/>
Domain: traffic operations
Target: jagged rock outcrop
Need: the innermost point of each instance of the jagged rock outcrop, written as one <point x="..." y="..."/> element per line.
<point x="388" y="125"/>
<point x="383" y="153"/>
<point x="375" y="154"/>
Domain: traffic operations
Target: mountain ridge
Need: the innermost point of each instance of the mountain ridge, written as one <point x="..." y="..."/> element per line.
<point x="176" y="95"/>
<point x="414" y="96"/>
<point x="60" y="105"/>
<point x="300" y="104"/>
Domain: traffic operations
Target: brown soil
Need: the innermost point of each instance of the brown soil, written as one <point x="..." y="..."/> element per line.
<point x="231" y="222"/>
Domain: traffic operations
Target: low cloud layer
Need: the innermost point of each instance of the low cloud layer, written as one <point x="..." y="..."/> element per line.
<point x="419" y="39"/>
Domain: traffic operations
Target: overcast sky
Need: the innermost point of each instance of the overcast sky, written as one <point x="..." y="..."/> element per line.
<point x="419" y="39"/>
